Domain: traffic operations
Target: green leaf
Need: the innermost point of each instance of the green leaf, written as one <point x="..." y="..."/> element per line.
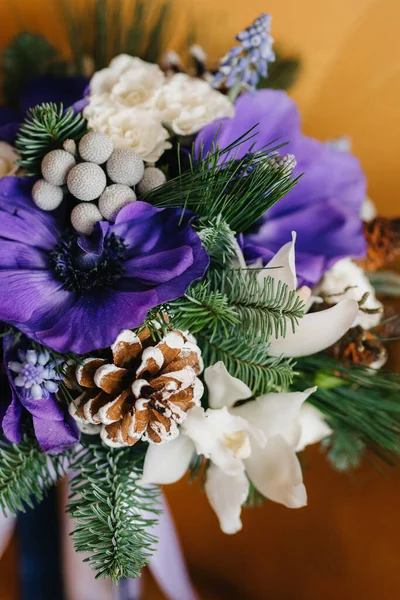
<point x="27" y="56"/>
<point x="248" y="359"/>
<point x="113" y="513"/>
<point x="26" y="473"/>
<point x="45" y="128"/>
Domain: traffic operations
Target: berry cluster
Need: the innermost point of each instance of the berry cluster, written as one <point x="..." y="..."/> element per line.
<point x="100" y="177"/>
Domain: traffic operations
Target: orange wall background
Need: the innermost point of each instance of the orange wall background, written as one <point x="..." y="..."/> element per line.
<point x="347" y="542"/>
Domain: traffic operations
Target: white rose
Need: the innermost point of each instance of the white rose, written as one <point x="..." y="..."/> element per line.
<point x="134" y="128"/>
<point x="346" y="275"/>
<point x="128" y="80"/>
<point x="187" y="104"/>
<point x="8" y="156"/>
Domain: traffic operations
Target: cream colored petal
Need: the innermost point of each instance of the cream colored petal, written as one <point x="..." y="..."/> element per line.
<point x="282" y="267"/>
<point x="167" y="463"/>
<point x="223" y="389"/>
<point x="211" y="432"/>
<point x="276" y="473"/>
<point x="226" y="495"/>
<point x="313" y="427"/>
<point x="273" y="414"/>
<point x="316" y="331"/>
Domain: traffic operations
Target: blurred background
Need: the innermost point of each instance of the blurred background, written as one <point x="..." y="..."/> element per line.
<point x="347" y="542"/>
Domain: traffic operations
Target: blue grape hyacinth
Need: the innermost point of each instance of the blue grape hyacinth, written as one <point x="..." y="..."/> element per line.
<point x="247" y="63"/>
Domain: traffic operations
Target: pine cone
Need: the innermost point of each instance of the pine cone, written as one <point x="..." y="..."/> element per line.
<point x="142" y="391"/>
<point x="383" y="243"/>
<point x="361" y="347"/>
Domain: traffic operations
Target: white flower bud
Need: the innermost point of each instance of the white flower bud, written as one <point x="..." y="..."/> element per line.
<point x="86" y="181"/>
<point x="152" y="178"/>
<point x="125" y="166"/>
<point x="114" y="198"/>
<point x="46" y="195"/>
<point x="96" y="147"/>
<point x="84" y="217"/>
<point x="56" y="165"/>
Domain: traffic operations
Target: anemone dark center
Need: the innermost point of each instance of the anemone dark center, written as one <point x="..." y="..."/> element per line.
<point x="80" y="271"/>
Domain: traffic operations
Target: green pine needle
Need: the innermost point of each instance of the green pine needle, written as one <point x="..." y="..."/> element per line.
<point x="364" y="411"/>
<point x="247" y="359"/>
<point x="26" y="473"/>
<point x="218" y="239"/>
<point x="263" y="310"/>
<point x="344" y="448"/>
<point x="217" y="186"/>
<point x="113" y="514"/>
<point x="201" y="308"/>
<point x="45" y="128"/>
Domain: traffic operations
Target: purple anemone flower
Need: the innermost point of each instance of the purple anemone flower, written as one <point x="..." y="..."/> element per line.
<point x="75" y="295"/>
<point x="323" y="208"/>
<point x="34" y="381"/>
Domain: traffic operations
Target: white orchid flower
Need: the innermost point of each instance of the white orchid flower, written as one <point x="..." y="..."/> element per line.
<point x="315" y="331"/>
<point x="255" y="441"/>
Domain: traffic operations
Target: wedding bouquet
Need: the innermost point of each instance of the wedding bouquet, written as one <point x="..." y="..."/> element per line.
<point x="184" y="287"/>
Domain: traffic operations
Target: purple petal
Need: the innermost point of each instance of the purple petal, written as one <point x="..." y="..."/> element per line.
<point x="56" y="436"/>
<point x="26" y="296"/>
<point x="12" y="420"/>
<point x="46" y="409"/>
<point x="160" y="267"/>
<point x="94" y="243"/>
<point x="273" y="111"/>
<point x="17" y="255"/>
<point x="96" y="320"/>
<point x="20" y="220"/>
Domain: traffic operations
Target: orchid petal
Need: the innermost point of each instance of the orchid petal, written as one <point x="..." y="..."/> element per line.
<point x="223" y="389"/>
<point x="212" y="432"/>
<point x="273" y="414"/>
<point x="282" y="267"/>
<point x="311" y="428"/>
<point x="316" y="331"/>
<point x="226" y="495"/>
<point x="168" y="462"/>
<point x="276" y="473"/>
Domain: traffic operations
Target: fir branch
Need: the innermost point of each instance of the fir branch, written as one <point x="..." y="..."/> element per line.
<point x="264" y="309"/>
<point x="248" y="359"/>
<point x="365" y="405"/>
<point x="27" y="56"/>
<point x="218" y="186"/>
<point x="365" y="377"/>
<point x="344" y="448"/>
<point x="218" y="239"/>
<point x="26" y="473"/>
<point x="201" y="308"/>
<point x="46" y="127"/>
<point x="110" y="510"/>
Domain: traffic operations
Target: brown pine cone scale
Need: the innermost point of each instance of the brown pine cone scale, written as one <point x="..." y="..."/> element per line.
<point x="142" y="391"/>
